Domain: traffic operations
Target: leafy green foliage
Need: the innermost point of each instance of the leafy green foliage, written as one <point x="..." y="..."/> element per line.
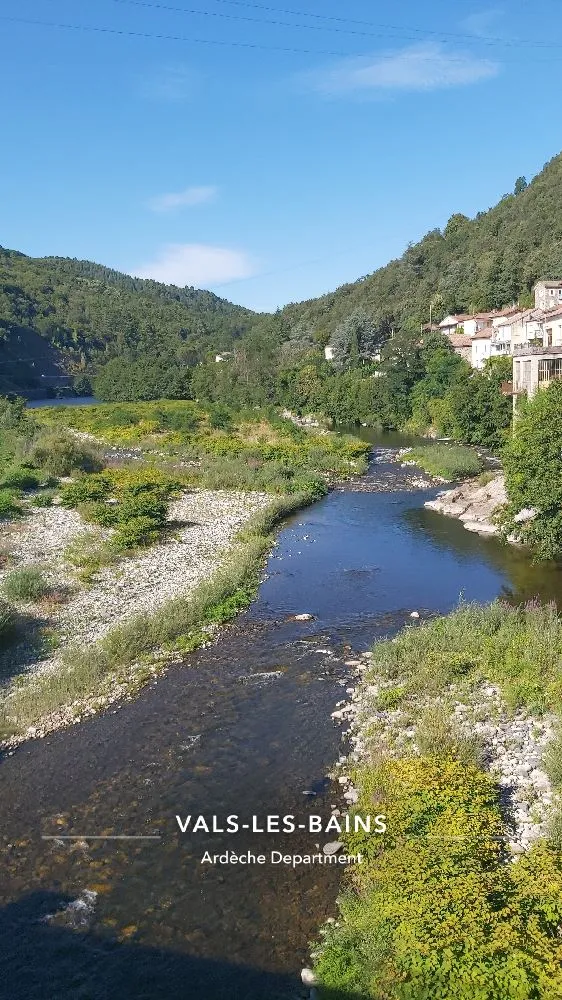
<point x="250" y="449"/>
<point x="9" y="507"/>
<point x="472" y="265"/>
<point x="21" y="477"/>
<point x="60" y="453"/>
<point x="434" y="911"/>
<point x="446" y="461"/>
<point x="55" y="310"/>
<point x="520" y="648"/>
<point x="25" y="584"/>
<point x="533" y="472"/>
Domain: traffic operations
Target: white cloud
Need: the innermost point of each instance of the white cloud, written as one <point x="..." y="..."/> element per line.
<point x="197" y="264"/>
<point x="483" y="22"/>
<point x="422" y="67"/>
<point x="183" y="199"/>
<point x="174" y="84"/>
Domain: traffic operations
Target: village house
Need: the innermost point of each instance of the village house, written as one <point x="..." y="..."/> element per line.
<point x="462" y="345"/>
<point x="537" y="349"/>
<point x="548" y="294"/>
<point x="481" y="345"/>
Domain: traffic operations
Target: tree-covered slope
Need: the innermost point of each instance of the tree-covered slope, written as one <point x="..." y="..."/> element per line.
<point x="75" y="314"/>
<point x="473" y="264"/>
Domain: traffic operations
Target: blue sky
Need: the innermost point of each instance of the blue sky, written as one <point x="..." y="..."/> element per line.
<point x="268" y="161"/>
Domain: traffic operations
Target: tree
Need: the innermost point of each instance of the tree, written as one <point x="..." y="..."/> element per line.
<point x="356" y="339"/>
<point x="532" y="462"/>
<point x="520" y="185"/>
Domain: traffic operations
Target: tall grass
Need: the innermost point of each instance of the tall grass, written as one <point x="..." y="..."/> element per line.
<point x="520" y="648"/>
<point x="6" y="622"/>
<point x="448" y="461"/>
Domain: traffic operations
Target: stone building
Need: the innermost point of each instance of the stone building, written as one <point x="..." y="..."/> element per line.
<point x="548" y="294"/>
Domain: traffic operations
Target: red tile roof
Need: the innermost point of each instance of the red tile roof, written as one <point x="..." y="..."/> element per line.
<point x="459" y="318"/>
<point x="484" y="334"/>
<point x="460" y="340"/>
<point x="552" y="314"/>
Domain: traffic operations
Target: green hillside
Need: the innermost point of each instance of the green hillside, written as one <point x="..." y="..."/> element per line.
<point x="62" y="316"/>
<point x="473" y="264"/>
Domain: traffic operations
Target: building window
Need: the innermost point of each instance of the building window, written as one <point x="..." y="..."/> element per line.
<point x="550" y="369"/>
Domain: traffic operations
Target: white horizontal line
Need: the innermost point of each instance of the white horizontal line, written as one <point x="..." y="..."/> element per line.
<point x="91" y="836"/>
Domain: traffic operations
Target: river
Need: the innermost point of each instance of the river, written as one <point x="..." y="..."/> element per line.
<point x="243" y="727"/>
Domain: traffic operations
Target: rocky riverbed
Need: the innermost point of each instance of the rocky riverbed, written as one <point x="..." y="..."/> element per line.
<point x="74" y="613"/>
<point x="474" y="503"/>
<point x="205" y="523"/>
<point x="510" y="745"/>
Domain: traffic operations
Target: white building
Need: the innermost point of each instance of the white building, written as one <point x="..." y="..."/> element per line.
<point x="481" y="347"/>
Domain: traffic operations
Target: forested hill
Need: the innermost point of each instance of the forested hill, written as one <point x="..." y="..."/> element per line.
<point x="473" y="264"/>
<point x="60" y="315"/>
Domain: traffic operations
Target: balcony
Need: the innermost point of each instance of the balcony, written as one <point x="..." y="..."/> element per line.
<point x="537" y="349"/>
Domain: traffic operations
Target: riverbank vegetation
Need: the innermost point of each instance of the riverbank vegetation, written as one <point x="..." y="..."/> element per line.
<point x="533" y="473"/>
<point x="132" y="653"/>
<point x="437" y="909"/>
<point x="446" y="461"/>
<point x="219" y="447"/>
<point x="142" y="468"/>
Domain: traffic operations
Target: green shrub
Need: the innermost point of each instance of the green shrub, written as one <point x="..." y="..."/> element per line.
<point x="145" y="504"/>
<point x="6" y="622"/>
<point x="446" y="461"/>
<point x="43" y="499"/>
<point x="434" y="911"/>
<point x="21" y="478"/>
<point x="98" y="512"/>
<point x="532" y="461"/>
<point x="25" y="584"/>
<point x="553" y="761"/>
<point x="139" y="531"/>
<point x="9" y="507"/>
<point x="220" y="417"/>
<point x="85" y="489"/>
<point x="59" y="453"/>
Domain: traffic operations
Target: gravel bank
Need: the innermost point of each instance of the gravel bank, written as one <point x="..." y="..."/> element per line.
<point x="512" y="745"/>
<point x="203" y="526"/>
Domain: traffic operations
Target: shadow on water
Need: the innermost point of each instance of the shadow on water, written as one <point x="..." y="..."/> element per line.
<point x="523" y="580"/>
<point x="42" y="961"/>
<point x="242" y="727"/>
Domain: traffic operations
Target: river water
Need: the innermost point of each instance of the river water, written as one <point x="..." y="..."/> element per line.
<point x="242" y="727"/>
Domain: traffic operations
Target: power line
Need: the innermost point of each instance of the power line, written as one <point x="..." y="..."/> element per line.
<point x="174" y="38"/>
<point x="404" y="31"/>
<point x="207" y="41"/>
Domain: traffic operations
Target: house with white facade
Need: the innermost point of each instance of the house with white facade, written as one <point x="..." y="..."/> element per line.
<point x="481" y="347"/>
<point x="538" y="362"/>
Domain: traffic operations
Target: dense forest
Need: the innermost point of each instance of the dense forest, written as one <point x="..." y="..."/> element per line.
<point x="137" y="339"/>
<point x="473" y="264"/>
<point x="60" y="316"/>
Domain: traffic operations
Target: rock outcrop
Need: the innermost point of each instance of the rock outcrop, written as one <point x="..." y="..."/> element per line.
<point x="473" y="503"/>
